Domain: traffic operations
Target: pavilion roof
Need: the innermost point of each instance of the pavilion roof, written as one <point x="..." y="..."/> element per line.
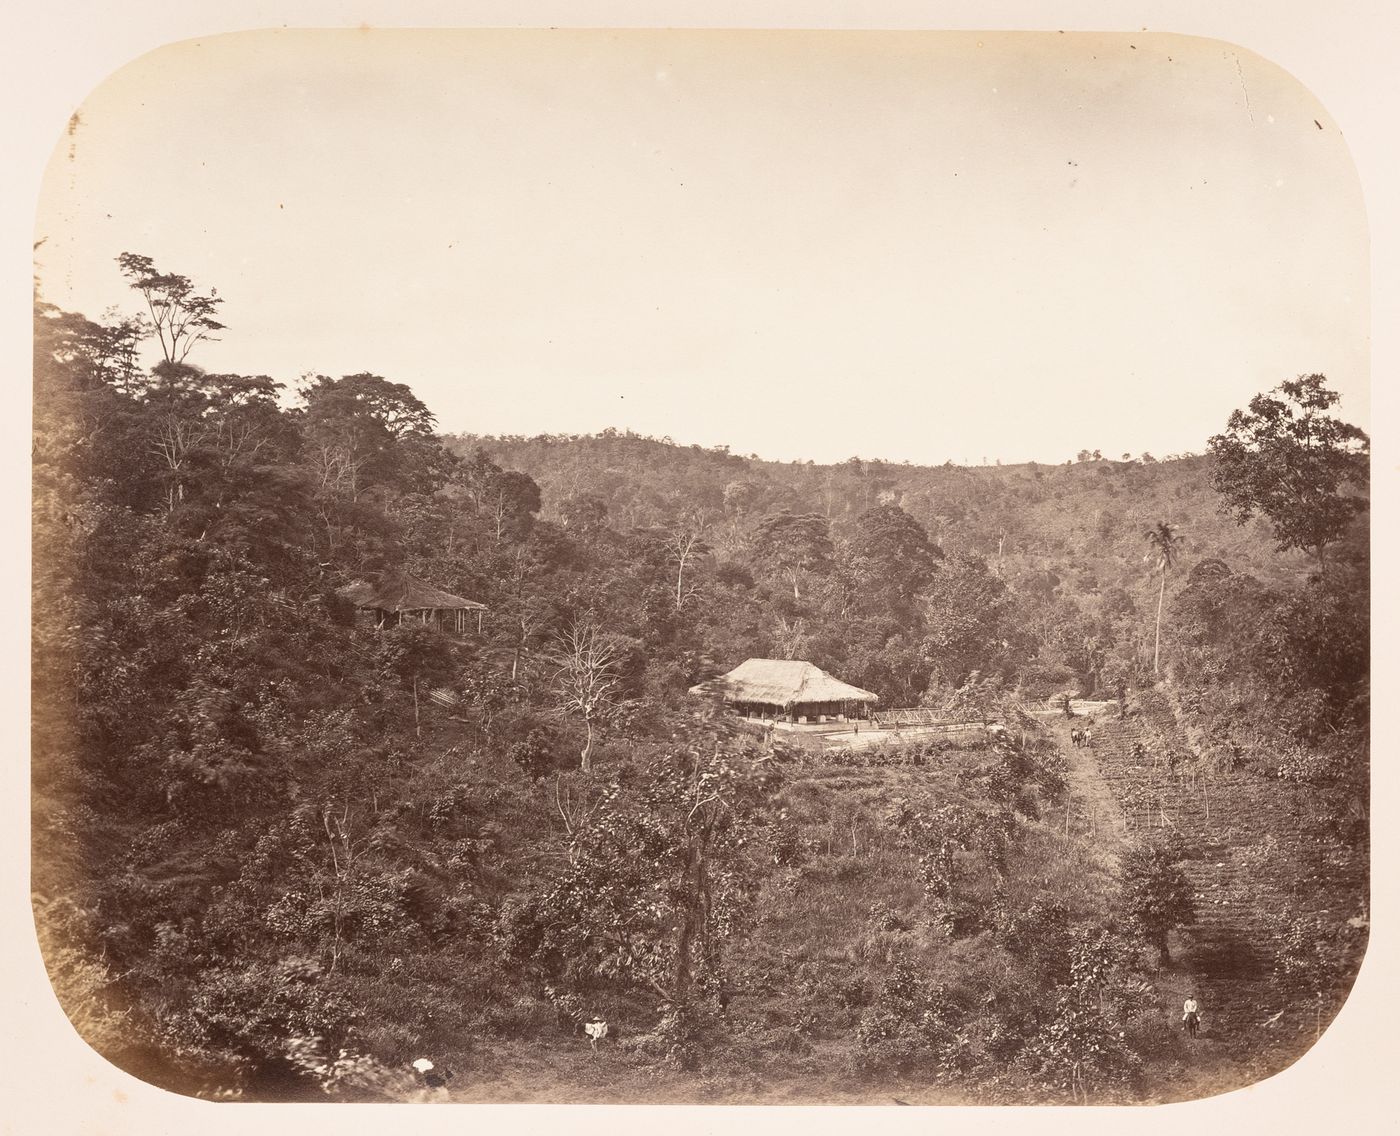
<point x="781" y="682"/>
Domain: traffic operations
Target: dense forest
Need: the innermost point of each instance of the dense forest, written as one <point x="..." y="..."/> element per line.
<point x="280" y="854"/>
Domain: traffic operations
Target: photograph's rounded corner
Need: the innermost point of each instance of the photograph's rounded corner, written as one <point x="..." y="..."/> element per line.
<point x="73" y="122"/>
<point x="50" y="1022"/>
<point x="1326" y="120"/>
<point x="1302" y="1063"/>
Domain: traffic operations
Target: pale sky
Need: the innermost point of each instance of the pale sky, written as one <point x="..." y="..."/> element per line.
<point x="920" y="246"/>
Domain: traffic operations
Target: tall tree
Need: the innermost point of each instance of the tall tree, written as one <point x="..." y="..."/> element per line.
<point x="366" y="431"/>
<point x="793" y="544"/>
<point x="969" y="620"/>
<point x="180" y="317"/>
<point x="368" y="444"/>
<point x="1287" y="458"/>
<point x="1164" y="542"/>
<point x="685" y="543"/>
<point x="893" y="557"/>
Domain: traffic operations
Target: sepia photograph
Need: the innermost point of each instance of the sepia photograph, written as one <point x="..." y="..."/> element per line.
<point x="701" y="566"/>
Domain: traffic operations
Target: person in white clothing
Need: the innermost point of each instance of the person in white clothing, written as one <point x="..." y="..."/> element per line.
<point x="1191" y="1015"/>
<point x="595" y="1030"/>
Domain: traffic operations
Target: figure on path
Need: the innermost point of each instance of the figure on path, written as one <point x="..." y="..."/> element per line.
<point x="1191" y="1015"/>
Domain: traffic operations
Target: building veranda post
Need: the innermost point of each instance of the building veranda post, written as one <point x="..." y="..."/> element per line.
<point x="397" y="599"/>
<point x="787" y="691"/>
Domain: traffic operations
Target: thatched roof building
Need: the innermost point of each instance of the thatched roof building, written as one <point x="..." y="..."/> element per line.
<point x="396" y="597"/>
<point x="771" y="688"/>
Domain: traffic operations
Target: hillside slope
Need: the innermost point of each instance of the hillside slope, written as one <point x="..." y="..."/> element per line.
<point x="1263" y="878"/>
<point x="1086" y="518"/>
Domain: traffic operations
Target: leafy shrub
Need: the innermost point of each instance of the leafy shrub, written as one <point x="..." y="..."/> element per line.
<point x="1156" y="893"/>
<point x="541" y="751"/>
<point x="1079" y="1051"/>
<point x="912" y="1023"/>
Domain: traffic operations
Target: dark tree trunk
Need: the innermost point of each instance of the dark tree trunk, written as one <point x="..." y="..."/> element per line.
<point x="690" y="920"/>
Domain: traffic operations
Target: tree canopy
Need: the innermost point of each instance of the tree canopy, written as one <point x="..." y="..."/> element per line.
<point x="1288" y="458"/>
<point x="178" y="316"/>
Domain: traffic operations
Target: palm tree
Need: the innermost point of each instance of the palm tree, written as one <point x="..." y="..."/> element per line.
<point x="1164" y="541"/>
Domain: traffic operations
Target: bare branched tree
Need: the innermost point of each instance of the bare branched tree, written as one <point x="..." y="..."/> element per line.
<point x="684" y="542"/>
<point x="790" y="636"/>
<point x="345" y="850"/>
<point x="173" y="441"/>
<point x="585" y="679"/>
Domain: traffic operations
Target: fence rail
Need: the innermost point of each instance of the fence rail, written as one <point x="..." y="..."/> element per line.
<point x="913" y="716"/>
<point x="919" y="720"/>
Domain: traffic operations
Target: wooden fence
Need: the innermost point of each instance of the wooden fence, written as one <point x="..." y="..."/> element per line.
<point x="913" y="716"/>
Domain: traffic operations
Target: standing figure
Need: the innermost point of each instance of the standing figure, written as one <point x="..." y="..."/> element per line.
<point x="1191" y="1015"/>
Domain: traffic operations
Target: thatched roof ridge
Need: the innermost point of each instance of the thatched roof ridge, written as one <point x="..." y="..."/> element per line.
<point x="781" y="682"/>
<point x="401" y="592"/>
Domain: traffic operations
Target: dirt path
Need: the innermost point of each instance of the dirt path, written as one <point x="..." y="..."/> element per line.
<point x="1098" y="817"/>
<point x="1093" y="810"/>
